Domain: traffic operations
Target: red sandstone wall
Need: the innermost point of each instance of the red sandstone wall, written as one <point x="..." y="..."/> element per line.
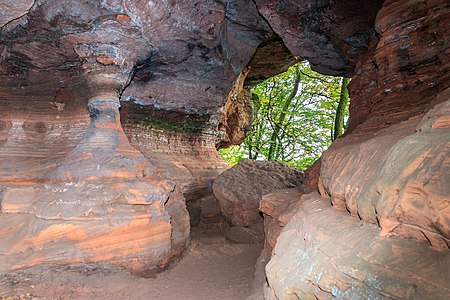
<point x="392" y="168"/>
<point x="386" y="233"/>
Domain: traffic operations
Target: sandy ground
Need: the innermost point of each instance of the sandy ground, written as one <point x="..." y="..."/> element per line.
<point x="212" y="268"/>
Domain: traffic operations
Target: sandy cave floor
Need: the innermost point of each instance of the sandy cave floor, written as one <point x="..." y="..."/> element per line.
<point x="212" y="268"/>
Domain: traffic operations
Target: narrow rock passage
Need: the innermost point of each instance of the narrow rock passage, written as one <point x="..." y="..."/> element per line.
<point x="212" y="268"/>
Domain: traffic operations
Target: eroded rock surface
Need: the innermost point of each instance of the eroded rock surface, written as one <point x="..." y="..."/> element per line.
<point x="390" y="171"/>
<point x="278" y="208"/>
<point x="240" y="188"/>
<point x="320" y="31"/>
<point x="309" y="262"/>
<point x="398" y="142"/>
<point x="85" y="195"/>
<point x="14" y="10"/>
<point x="82" y="182"/>
<point x="74" y="171"/>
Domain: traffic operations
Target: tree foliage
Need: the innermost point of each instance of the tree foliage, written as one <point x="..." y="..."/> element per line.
<point x="294" y="118"/>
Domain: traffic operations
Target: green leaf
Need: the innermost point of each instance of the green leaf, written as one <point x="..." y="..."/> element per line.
<point x="291" y="126"/>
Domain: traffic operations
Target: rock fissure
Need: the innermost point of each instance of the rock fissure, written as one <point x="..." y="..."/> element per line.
<point x="5" y="25"/>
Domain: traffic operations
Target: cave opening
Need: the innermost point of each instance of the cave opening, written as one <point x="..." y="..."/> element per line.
<point x="295" y="117"/>
<point x="293" y="122"/>
<point x="88" y="200"/>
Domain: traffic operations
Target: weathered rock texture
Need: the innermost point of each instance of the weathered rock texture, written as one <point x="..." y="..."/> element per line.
<point x="110" y="112"/>
<point x="75" y="190"/>
<point x="278" y="208"/>
<point x="190" y="159"/>
<point x="399" y="141"/>
<point x="309" y="262"/>
<point x="386" y="234"/>
<point x="237" y="114"/>
<point x="330" y="35"/>
<point x="82" y="182"/>
<point x="178" y="69"/>
<point x="240" y="188"/>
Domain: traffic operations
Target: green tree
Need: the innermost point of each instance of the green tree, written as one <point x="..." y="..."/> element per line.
<point x="280" y="124"/>
<point x="342" y="109"/>
<point x="294" y="118"/>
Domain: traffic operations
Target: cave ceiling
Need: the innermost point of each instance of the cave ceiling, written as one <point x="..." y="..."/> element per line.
<point x="173" y="55"/>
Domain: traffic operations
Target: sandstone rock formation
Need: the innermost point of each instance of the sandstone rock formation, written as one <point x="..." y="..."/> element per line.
<point x="111" y="112"/>
<point x="175" y="69"/>
<point x="278" y="208"/>
<point x="387" y="178"/>
<point x="310" y="263"/>
<point x="400" y="150"/>
<point x="240" y="188"/>
<point x="78" y="183"/>
<point x="329" y="35"/>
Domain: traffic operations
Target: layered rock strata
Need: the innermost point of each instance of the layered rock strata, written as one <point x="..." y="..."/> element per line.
<point x="308" y="261"/>
<point x="386" y="232"/>
<point x="278" y="207"/>
<point x="80" y="185"/>
<point x="398" y="139"/>
<point x="80" y="193"/>
<point x="82" y="182"/>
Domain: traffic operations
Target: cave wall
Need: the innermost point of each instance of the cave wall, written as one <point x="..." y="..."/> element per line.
<point x="110" y="116"/>
<point x="111" y="112"/>
<point x="330" y="35"/>
<point x="323" y="253"/>
<point x="399" y="132"/>
<point x="380" y="226"/>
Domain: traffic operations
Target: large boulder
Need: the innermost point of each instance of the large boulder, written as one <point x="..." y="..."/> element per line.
<point x="323" y="253"/>
<point x="240" y="188"/>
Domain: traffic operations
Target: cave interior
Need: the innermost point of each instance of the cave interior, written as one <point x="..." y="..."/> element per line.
<point x="112" y="111"/>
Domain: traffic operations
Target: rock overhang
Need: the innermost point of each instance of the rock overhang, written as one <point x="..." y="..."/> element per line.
<point x="174" y="54"/>
<point x="179" y="69"/>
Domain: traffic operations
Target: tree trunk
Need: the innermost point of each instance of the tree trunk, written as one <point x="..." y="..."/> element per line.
<point x="340" y="111"/>
<point x="281" y="118"/>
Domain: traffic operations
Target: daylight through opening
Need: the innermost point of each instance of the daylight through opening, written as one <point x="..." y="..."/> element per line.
<point x="296" y="116"/>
